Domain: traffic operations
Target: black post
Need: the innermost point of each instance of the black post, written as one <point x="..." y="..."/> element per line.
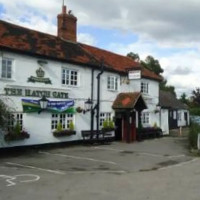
<point x="128" y="128"/>
<point x="92" y="110"/>
<point x="98" y="96"/>
<point x="139" y="132"/>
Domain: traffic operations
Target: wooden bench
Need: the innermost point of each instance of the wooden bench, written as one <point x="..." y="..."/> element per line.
<point x="97" y="137"/>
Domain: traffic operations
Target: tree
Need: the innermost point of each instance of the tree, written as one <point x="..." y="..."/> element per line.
<point x="152" y="64"/>
<point x="169" y="88"/>
<point x="134" y="56"/>
<point x="196" y="96"/>
<point x="4" y="114"/>
<point x="183" y="98"/>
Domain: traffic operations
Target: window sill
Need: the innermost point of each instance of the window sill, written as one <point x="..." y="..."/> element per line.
<point x="112" y="90"/>
<point x="7" y="80"/>
<point x="70" y="86"/>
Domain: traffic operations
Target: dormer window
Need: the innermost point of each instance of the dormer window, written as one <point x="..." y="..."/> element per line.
<point x="6" y="68"/>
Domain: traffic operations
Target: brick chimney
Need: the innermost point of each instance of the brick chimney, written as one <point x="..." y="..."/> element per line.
<point x="67" y="25"/>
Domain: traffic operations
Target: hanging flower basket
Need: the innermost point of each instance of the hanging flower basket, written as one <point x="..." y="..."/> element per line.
<point x="11" y="136"/>
<point x="64" y="133"/>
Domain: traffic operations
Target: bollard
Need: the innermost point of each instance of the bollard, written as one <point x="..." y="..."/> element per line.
<point x="180" y="131"/>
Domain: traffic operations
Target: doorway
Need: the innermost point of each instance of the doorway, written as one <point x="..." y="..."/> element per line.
<point x="118" y="130"/>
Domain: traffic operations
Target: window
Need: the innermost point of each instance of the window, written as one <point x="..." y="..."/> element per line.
<point x="69" y="77"/>
<point x="63" y="119"/>
<point x="179" y="116"/>
<point x="13" y="119"/>
<point x="144" y="88"/>
<point x="174" y="115"/>
<point x="112" y="83"/>
<point x="6" y="69"/>
<point x="103" y="117"/>
<point x="145" y="118"/>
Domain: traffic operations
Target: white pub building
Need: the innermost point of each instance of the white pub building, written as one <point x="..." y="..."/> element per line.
<point x="47" y="80"/>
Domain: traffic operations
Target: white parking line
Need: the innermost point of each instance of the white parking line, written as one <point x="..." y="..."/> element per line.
<point x="12" y="180"/>
<point x="141" y="153"/>
<point x="109" y="149"/>
<point x="99" y="171"/>
<point x="78" y="158"/>
<point x="37" y="168"/>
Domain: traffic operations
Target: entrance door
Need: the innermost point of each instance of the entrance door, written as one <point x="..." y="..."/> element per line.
<point x="118" y="130"/>
<point x="129" y="128"/>
<point x="186" y="118"/>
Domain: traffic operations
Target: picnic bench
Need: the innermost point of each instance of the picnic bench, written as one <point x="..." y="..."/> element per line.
<point x="97" y="137"/>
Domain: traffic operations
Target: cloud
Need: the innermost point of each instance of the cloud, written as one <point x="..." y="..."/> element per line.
<point x="175" y="22"/>
<point x="86" y="39"/>
<point x="167" y="30"/>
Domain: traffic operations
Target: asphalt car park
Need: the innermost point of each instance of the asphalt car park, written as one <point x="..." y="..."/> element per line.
<point x="95" y="171"/>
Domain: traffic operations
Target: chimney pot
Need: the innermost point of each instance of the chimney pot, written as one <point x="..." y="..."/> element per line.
<point x="64" y="10"/>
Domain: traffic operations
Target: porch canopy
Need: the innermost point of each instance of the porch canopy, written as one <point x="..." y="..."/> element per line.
<point x="129" y="101"/>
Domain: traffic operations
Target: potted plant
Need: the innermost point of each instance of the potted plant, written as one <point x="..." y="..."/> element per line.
<point x="108" y="126"/>
<point x="60" y="132"/>
<point x="16" y="134"/>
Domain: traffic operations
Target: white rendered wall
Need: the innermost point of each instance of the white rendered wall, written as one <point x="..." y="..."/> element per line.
<point x="164" y="121"/>
<point x="39" y="125"/>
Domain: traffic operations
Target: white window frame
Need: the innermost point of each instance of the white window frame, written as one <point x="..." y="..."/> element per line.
<point x="11" y="71"/>
<point x="113" y="83"/>
<point x="70" y="74"/>
<point x="13" y="119"/>
<point x="174" y="115"/>
<point x="145" y="87"/>
<point x="145" y="118"/>
<point x="63" y="118"/>
<point x="104" y="116"/>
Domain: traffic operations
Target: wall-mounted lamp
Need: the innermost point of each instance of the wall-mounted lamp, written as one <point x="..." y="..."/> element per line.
<point x="88" y="106"/>
<point x="43" y="104"/>
<point x="158" y="108"/>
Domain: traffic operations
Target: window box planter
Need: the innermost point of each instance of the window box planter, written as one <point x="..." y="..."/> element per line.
<point x="13" y="136"/>
<point x="64" y="133"/>
<point x="105" y="130"/>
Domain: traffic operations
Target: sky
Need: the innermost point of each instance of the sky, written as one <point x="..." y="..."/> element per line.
<point x="167" y="30"/>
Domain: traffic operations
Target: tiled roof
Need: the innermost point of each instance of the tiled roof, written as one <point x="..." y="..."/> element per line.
<point x="119" y="62"/>
<point x="33" y="42"/>
<point x="24" y="40"/>
<point x="128" y="101"/>
<point x="168" y="100"/>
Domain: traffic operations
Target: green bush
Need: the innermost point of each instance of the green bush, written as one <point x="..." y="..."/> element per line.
<point x="193" y="135"/>
<point x="71" y="126"/>
<point x="111" y="124"/>
<point x="195" y="111"/>
<point x="17" y="129"/>
<point x="59" y="127"/>
<point x="106" y="124"/>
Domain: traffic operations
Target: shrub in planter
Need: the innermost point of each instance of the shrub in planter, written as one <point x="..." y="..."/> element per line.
<point x="108" y="126"/>
<point x="16" y="134"/>
<point x="67" y="132"/>
<point x="63" y="133"/>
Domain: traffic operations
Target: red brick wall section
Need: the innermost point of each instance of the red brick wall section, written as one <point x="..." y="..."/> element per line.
<point x="67" y="26"/>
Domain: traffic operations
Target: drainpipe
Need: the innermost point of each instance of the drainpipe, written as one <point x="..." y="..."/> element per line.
<point x="92" y="110"/>
<point x="98" y="96"/>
